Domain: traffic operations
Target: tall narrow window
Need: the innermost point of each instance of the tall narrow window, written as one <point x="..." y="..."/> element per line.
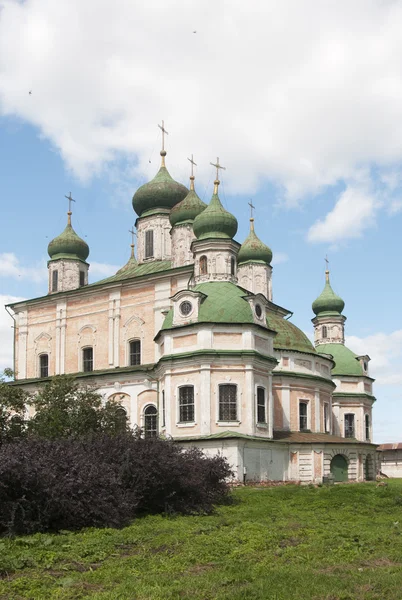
<point x="149" y="243"/>
<point x="227" y="402"/>
<point x="186" y="404"/>
<point x="87" y="359"/>
<point x="135" y="352"/>
<point x="326" y="418"/>
<point x="367" y="427"/>
<point x="82" y="278"/>
<point x="163" y="409"/>
<point x="324" y="331"/>
<point x="232" y="266"/>
<point x="150" y="422"/>
<point x="261" y="409"/>
<point x="350" y="425"/>
<point x="303" y="425"/>
<point x="44" y="365"/>
<point x="55" y="280"/>
<point x="203" y="265"/>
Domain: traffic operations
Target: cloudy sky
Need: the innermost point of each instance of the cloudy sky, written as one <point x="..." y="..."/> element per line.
<point x="301" y="100"/>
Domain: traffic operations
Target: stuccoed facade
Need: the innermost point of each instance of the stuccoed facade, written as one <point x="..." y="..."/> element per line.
<point x="188" y="339"/>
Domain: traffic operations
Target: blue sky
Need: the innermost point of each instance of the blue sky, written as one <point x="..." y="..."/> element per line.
<point x="316" y="143"/>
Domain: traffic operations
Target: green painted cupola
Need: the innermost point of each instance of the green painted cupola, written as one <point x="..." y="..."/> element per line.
<point x="188" y="209"/>
<point x="253" y="249"/>
<point x="162" y="192"/>
<point x="215" y="221"/>
<point x="328" y="303"/>
<point x="68" y="245"/>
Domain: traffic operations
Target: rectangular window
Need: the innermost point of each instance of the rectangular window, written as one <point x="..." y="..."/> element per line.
<point x="186" y="404"/>
<point x="44" y="365"/>
<point x="149" y="244"/>
<point x="303" y="425"/>
<point x="87" y="359"/>
<point x="349" y="426"/>
<point x="135" y="353"/>
<point x="261" y="409"/>
<point x="326" y="418"/>
<point x="55" y="280"/>
<point x="367" y="426"/>
<point x="227" y="402"/>
<point x="163" y="409"/>
<point x="82" y="278"/>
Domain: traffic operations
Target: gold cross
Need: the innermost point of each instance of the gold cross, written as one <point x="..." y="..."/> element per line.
<point x="252" y="207"/>
<point x="162" y="127"/>
<point x="70" y="199"/>
<point x="192" y="165"/>
<point x="217" y="167"/>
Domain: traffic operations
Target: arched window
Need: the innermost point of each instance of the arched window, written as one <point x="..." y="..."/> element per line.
<point x="43" y="365"/>
<point x="135" y="352"/>
<point x="261" y="407"/>
<point x="121" y="418"/>
<point x="186" y="404"/>
<point x="203" y="265"/>
<point x="303" y="416"/>
<point x="367" y="427"/>
<point x="55" y="280"/>
<point x="87" y="359"/>
<point x="150" y="421"/>
<point x="228" y="402"/>
<point x="232" y="266"/>
<point x="324" y="331"/>
<point x="149" y="243"/>
<point x="163" y="409"/>
<point x="350" y="425"/>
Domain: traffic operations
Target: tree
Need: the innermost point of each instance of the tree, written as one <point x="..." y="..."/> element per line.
<point x="64" y="408"/>
<point x="13" y="403"/>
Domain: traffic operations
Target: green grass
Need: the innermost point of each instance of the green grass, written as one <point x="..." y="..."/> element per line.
<point x="283" y="543"/>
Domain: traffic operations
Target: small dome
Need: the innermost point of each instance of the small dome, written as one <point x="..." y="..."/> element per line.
<point x="161" y="192"/>
<point x="253" y="249"/>
<point x="215" y="221"/>
<point x="188" y="209"/>
<point x="346" y="361"/>
<point x="68" y="245"/>
<point x="328" y="301"/>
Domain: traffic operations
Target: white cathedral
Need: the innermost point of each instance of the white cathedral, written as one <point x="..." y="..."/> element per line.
<point x="186" y="337"/>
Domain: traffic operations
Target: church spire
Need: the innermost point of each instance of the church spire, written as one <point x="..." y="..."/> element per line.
<point x="163" y="151"/>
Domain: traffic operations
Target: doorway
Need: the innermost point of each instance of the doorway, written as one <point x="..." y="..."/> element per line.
<point x="339" y="468"/>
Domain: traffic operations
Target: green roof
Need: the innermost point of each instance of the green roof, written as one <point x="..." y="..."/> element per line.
<point x="346" y="362"/>
<point x="253" y="249"/>
<point x="68" y="245"/>
<point x="133" y="269"/>
<point x="289" y="337"/>
<point x="161" y="192"/>
<point x="215" y="221"/>
<point x="187" y="210"/>
<point x="328" y="303"/>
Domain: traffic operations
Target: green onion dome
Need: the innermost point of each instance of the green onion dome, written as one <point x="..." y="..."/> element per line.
<point x="328" y="302"/>
<point x="215" y="221"/>
<point x="161" y="192"/>
<point x="68" y="245"/>
<point x="253" y="249"/>
<point x="188" y="209"/>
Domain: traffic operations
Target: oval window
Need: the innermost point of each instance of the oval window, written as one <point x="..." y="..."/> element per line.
<point x="258" y="311"/>
<point x="186" y="308"/>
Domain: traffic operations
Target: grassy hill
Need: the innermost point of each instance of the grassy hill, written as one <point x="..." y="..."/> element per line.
<point x="281" y="543"/>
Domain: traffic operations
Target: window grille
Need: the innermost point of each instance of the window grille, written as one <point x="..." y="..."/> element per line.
<point x="150" y="422"/>
<point x="55" y="280"/>
<point x="227" y="402"/>
<point x="186" y="404"/>
<point x="44" y="365"/>
<point x="149" y="244"/>
<point x="88" y="359"/>
<point x="303" y="416"/>
<point x="135" y="353"/>
<point x="261" y="409"/>
<point x="349" y="426"/>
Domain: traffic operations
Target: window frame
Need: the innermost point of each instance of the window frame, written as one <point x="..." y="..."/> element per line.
<point x="367" y="428"/>
<point x="203" y="265"/>
<point x="149" y="244"/>
<point x="324" y="331"/>
<point x="41" y="367"/>
<point x="55" y="280"/>
<point x="233" y="266"/>
<point x="183" y="406"/>
<point x="163" y="424"/>
<point x="263" y="405"/>
<point x="145" y="415"/>
<point x="82" y="278"/>
<point x="85" y="360"/>
<point x="221" y="418"/>
<point x="327" y="420"/>
<point x="304" y="402"/>
<point x="130" y="354"/>
<point x="351" y="430"/>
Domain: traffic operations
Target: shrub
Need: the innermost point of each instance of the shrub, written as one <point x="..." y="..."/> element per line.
<point x="49" y="485"/>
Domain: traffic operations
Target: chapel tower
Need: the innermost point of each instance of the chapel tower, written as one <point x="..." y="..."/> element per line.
<point x="254" y="265"/>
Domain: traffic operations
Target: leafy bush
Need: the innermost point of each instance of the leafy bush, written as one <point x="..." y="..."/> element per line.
<point x="49" y="485"/>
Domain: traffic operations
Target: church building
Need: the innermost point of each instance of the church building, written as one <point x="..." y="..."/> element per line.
<point x="187" y="338"/>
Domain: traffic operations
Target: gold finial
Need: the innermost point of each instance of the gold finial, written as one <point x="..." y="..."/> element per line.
<point x="327" y="269"/>
<point x="70" y="199"/>
<point x="217" y="167"/>
<point x="163" y="151"/>
<point x="133" y="234"/>
<point x="192" y="172"/>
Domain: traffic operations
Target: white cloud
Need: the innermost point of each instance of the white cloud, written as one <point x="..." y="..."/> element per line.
<point x="102" y="270"/>
<point x="10" y="267"/>
<point x="354" y="212"/>
<point x="279" y="258"/>
<point x="6" y="332"/>
<point x="395" y="207"/>
<point x="299" y="92"/>
<point x="385" y="351"/>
